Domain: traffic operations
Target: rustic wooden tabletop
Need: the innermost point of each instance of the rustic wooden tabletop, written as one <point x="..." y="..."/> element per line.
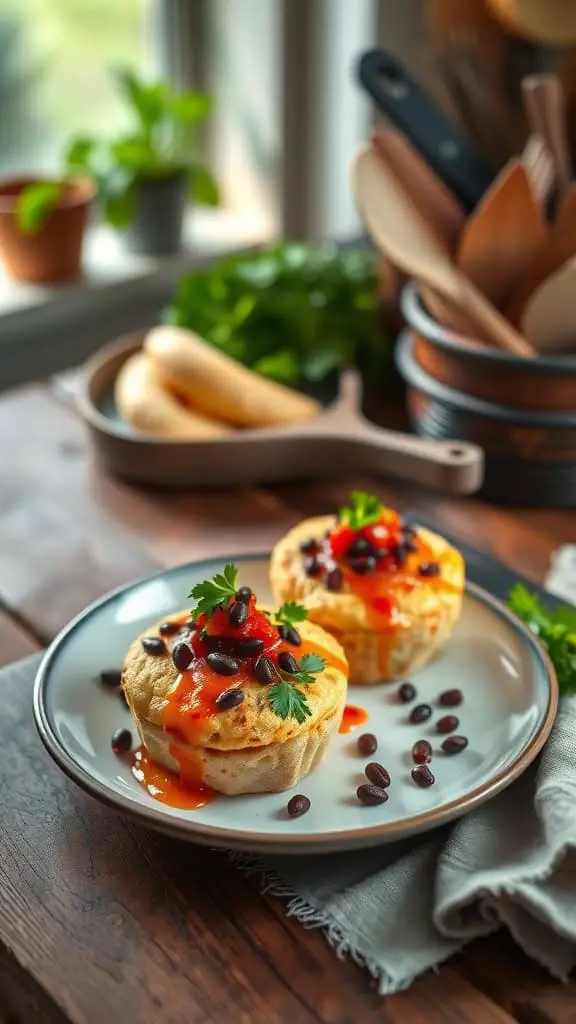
<point x="101" y="920"/>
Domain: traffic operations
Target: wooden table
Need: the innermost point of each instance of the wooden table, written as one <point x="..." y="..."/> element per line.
<point x="101" y="920"/>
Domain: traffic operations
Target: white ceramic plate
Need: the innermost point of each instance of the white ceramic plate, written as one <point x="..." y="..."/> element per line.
<point x="509" y="706"/>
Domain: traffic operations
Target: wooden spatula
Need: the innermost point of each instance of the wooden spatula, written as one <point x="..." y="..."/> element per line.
<point x="545" y="106"/>
<point x="503" y="235"/>
<point x="549" y="319"/>
<point x="399" y="231"/>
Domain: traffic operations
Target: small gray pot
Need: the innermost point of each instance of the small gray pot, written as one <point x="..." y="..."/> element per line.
<point x="159" y="216"/>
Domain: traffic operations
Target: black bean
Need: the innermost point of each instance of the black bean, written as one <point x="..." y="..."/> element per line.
<point x="246" y="648"/>
<point x="309" y="547"/>
<point x="334" y="579"/>
<point x="217" y="643"/>
<point x="169" y="628"/>
<point x="406" y="693"/>
<point x="422" y="776"/>
<point x="229" y="699"/>
<point x="154" y="645"/>
<point x="223" y="664"/>
<point x="409" y="545"/>
<point x="243" y="594"/>
<point x="429" y="569"/>
<point x="288" y="663"/>
<point x="421" y="713"/>
<point x="450" y="698"/>
<point x="454" y="744"/>
<point x="182" y="655"/>
<point x="364" y="564"/>
<point x="421" y="752"/>
<point x="360" y="546"/>
<point x="449" y="723"/>
<point x="111" y="677"/>
<point x="371" y="795"/>
<point x="378" y="774"/>
<point x="290" y="635"/>
<point x="264" y="670"/>
<point x="237" y="614"/>
<point x="367" y="744"/>
<point x="121" y="741"/>
<point x="399" y="552"/>
<point x="312" y="567"/>
<point x="298" y="805"/>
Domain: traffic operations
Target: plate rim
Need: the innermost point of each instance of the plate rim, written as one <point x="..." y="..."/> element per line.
<point x="321" y="842"/>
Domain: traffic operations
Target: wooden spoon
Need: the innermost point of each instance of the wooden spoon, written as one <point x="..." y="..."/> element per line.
<point x="559" y="247"/>
<point x="539" y="168"/>
<point x="549" y="320"/>
<point x="435" y="203"/>
<point x="503" y="235"/>
<point x="398" y="230"/>
<point x="546" y="111"/>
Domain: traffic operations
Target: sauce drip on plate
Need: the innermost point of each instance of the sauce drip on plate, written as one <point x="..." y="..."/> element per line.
<point x="353" y="717"/>
<point x="166" y="786"/>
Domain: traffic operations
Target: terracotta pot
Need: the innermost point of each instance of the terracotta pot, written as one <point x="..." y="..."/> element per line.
<point x="546" y="384"/>
<point x="54" y="253"/>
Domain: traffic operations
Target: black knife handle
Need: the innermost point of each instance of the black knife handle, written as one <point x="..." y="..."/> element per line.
<point x="450" y="155"/>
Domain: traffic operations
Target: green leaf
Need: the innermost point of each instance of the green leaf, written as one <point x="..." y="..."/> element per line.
<point x="556" y="631"/>
<point x="288" y="701"/>
<point x="190" y="107"/>
<point x="290" y="613"/>
<point x="147" y="101"/>
<point x="77" y="157"/>
<point x="203" y="186"/>
<point x="119" y="200"/>
<point x="212" y="594"/>
<point x="312" y="663"/>
<point x="35" y="203"/>
<point x="135" y="153"/>
<point x="365" y="509"/>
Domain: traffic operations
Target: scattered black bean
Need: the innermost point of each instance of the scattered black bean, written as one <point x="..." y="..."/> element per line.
<point x="243" y="594"/>
<point x="367" y="744"/>
<point x="288" y="663"/>
<point x="309" y="547"/>
<point x="421" y="713"/>
<point x="237" y="614"/>
<point x="111" y="677"/>
<point x="312" y="567"/>
<point x="246" y="648"/>
<point x="359" y="546"/>
<point x="121" y="741"/>
<point x="371" y="795"/>
<point x="363" y="564"/>
<point x="334" y="579"/>
<point x="264" y="670"/>
<point x="182" y="655"/>
<point x="229" y="699"/>
<point x="447" y="724"/>
<point x="406" y="693"/>
<point x="429" y="569"/>
<point x="216" y="643"/>
<point x="450" y="698"/>
<point x="222" y="663"/>
<point x="377" y="774"/>
<point x="298" y="805"/>
<point x="169" y="628"/>
<point x="422" y="776"/>
<point x="454" y="744"/>
<point x="421" y="752"/>
<point x="290" y="635"/>
<point x="154" y="645"/>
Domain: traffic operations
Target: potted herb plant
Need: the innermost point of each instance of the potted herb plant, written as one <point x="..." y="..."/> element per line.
<point x="146" y="176"/>
<point x="42" y="225"/>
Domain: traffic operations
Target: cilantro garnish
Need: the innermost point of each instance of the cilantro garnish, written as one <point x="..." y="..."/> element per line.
<point x="555" y="630"/>
<point x="287" y="700"/>
<point x="290" y="613"/>
<point x="214" y="593"/>
<point x="310" y="665"/>
<point x="364" y="510"/>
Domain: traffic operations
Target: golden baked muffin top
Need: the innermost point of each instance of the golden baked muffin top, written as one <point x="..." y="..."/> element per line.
<point x="192" y="679"/>
<point x="366" y="570"/>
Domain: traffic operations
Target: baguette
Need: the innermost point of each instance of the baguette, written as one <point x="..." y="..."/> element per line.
<point x="221" y="387"/>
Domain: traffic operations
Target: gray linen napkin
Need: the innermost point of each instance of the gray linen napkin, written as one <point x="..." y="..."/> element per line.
<point x="401" y="909"/>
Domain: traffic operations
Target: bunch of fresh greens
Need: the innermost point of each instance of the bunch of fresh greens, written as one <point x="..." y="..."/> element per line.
<point x="294" y="313"/>
<point x="556" y="631"/>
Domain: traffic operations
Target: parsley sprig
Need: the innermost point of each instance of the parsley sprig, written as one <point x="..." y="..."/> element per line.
<point x="364" y="509"/>
<point x="286" y="698"/>
<point x="555" y="630"/>
<point x="212" y="594"/>
<point x="290" y="613"/>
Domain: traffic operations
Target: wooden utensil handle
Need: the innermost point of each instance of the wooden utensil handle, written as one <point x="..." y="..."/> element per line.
<point x="494" y="325"/>
<point x="545" y="107"/>
<point x="453" y="467"/>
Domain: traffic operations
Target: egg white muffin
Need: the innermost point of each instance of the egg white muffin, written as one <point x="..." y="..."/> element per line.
<point x="249" y="748"/>
<point x="392" y="606"/>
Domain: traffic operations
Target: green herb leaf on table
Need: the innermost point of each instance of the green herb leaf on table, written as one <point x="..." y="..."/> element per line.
<point x="364" y="509"/>
<point x="212" y="594"/>
<point x="35" y="202"/>
<point x="556" y="631"/>
<point x="287" y="701"/>
<point x="290" y="613"/>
